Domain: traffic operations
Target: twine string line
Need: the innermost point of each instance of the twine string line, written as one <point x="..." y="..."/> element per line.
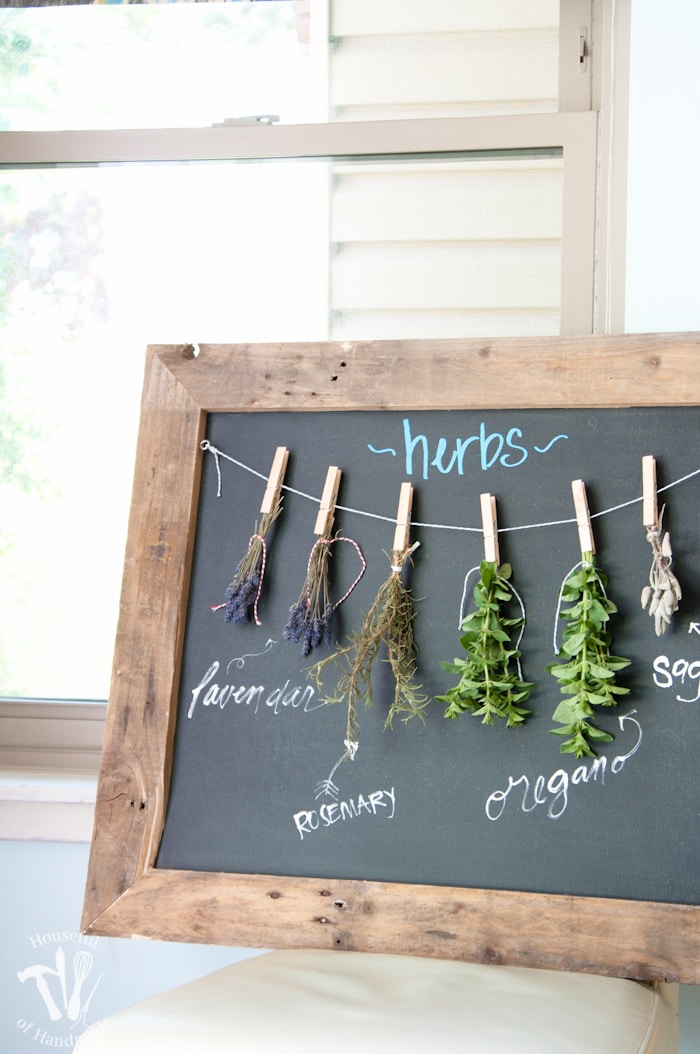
<point x="205" y="445"/>
<point x="332" y="541"/>
<point x="259" y="538"/>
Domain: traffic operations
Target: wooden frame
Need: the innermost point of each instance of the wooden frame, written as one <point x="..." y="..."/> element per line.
<point x="126" y="894"/>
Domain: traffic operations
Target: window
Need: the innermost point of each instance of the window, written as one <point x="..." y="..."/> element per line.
<point x="404" y="192"/>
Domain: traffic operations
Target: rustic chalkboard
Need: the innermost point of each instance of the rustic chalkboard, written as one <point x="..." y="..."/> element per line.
<point x="223" y="814"/>
<point x="426" y="803"/>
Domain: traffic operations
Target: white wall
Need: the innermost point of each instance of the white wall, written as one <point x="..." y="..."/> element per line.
<point x="663" y="254"/>
<point x="663" y="236"/>
<point x="43" y="881"/>
<point x="41" y="891"/>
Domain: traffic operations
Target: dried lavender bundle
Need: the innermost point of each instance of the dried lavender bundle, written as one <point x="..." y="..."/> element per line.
<point x="309" y="622"/>
<point x="243" y="592"/>
<point x="310" y="618"/>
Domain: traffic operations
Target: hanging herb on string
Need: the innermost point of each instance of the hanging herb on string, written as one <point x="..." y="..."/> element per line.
<point x="243" y="592"/>
<point x="663" y="593"/>
<point x="388" y="624"/>
<point x="310" y="618"/>
<point x="490" y="677"/>
<point x="588" y="677"/>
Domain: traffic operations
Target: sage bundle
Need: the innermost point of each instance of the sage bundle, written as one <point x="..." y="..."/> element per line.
<point x="660" y="598"/>
<point x="490" y="677"/>
<point x="588" y="677"/>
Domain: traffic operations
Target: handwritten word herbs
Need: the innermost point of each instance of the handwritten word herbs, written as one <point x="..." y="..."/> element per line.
<point x="588" y="677"/>
<point x="482" y="450"/>
<point x="490" y="684"/>
<point x="255" y="696"/>
<point x="378" y="804"/>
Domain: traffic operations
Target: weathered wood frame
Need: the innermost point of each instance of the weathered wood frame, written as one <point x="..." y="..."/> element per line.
<point x="126" y="894"/>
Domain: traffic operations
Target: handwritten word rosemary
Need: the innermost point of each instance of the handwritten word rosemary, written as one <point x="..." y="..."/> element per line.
<point x="378" y="803"/>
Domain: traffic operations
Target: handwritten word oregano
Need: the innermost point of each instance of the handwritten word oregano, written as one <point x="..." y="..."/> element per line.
<point x="588" y="677"/>
<point x="490" y="684"/>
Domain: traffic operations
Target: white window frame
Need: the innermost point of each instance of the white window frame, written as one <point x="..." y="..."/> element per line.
<point x="590" y="131"/>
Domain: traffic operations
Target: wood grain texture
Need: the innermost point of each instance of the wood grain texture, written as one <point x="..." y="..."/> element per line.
<point x="126" y="895"/>
<point x="428" y="375"/>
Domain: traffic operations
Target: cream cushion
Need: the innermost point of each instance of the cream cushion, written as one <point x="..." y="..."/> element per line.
<point x="318" y="1002"/>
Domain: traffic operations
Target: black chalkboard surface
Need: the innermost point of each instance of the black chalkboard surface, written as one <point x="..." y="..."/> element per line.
<point x="451" y="803"/>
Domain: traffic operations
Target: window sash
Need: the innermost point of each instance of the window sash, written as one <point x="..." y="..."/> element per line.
<point x="575" y="134"/>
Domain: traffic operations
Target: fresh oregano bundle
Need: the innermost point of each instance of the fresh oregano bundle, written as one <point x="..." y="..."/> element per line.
<point x="588" y="677"/>
<point x="490" y="684"/>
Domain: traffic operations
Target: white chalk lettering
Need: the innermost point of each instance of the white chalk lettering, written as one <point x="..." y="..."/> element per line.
<point x="252" y="696"/>
<point x="677" y="675"/>
<point x="378" y="803"/>
<point x="554" y="791"/>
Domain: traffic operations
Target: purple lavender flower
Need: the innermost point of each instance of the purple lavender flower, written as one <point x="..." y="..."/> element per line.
<point x="306" y="629"/>
<point x="240" y="597"/>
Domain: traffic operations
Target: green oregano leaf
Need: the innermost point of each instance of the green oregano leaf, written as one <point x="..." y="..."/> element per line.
<point x="589" y="675"/>
<point x="490" y="684"/>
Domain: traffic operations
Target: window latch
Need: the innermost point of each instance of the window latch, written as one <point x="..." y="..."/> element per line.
<point x="583" y="50"/>
<point x="256" y="118"/>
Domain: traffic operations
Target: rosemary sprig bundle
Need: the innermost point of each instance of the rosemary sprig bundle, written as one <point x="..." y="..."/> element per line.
<point x="662" y="594"/>
<point x="490" y="684"/>
<point x="309" y="622"/>
<point x="588" y="677"/>
<point x="388" y="623"/>
<point x="242" y="594"/>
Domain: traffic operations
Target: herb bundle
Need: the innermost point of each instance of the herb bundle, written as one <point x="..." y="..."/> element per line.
<point x="309" y="622"/>
<point x="491" y="684"/>
<point x="310" y="618"/>
<point x="388" y="622"/>
<point x="588" y="677"/>
<point x="662" y="594"/>
<point x="243" y="592"/>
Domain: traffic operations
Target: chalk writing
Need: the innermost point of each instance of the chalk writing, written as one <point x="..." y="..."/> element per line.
<point x="380" y="803"/>
<point x="677" y="675"/>
<point x="254" y="696"/>
<point x="553" y="792"/>
<point x="239" y="660"/>
<point x="489" y="449"/>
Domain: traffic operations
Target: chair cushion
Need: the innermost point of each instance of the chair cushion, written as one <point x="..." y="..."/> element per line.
<point x="320" y="1001"/>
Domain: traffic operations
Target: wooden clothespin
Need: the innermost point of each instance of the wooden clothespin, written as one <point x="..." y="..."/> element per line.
<point x="326" y="512"/>
<point x="490" y="527"/>
<point x="650" y="508"/>
<point x="583" y="517"/>
<point x="403" y="518"/>
<point x="275" y="479"/>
